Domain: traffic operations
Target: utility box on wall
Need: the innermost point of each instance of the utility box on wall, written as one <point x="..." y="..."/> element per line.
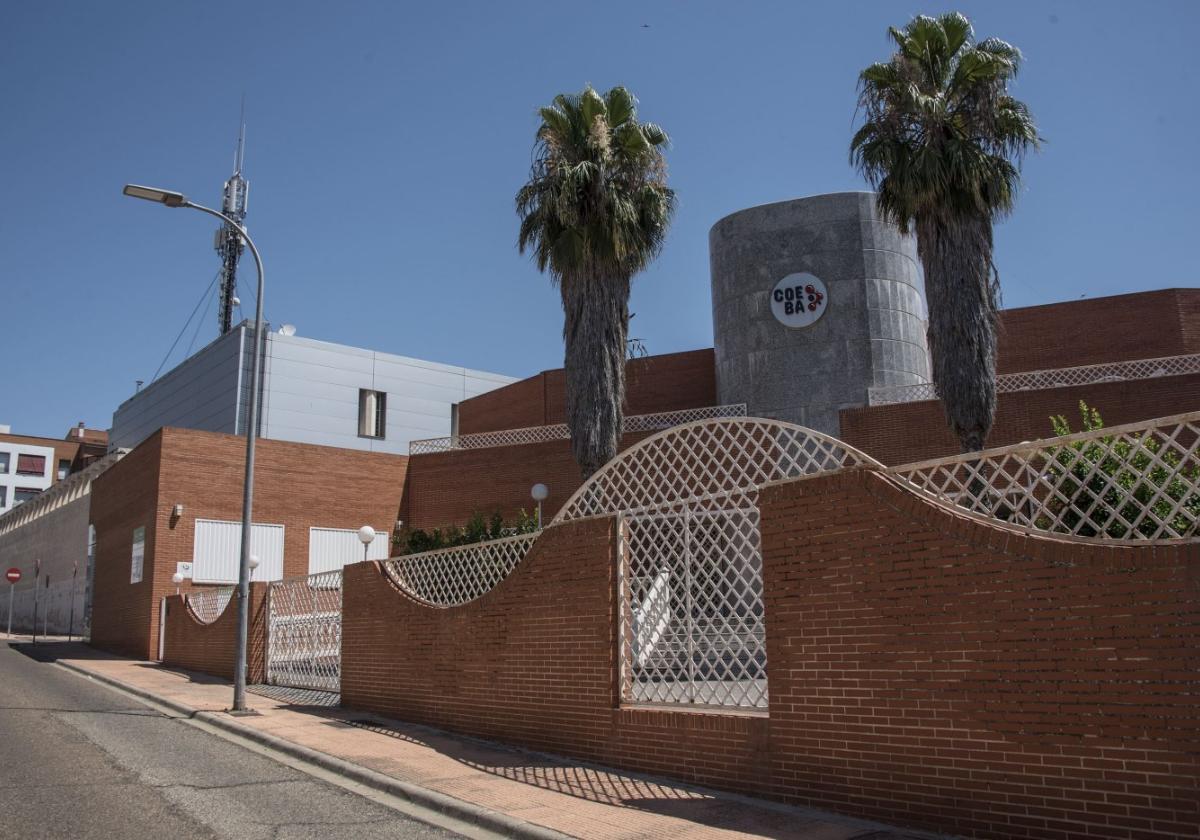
<point x="814" y="301"/>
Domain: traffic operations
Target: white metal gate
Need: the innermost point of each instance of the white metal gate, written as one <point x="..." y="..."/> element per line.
<point x="304" y="641"/>
<point x="692" y="626"/>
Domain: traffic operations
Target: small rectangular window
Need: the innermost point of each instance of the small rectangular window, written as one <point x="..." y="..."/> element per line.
<point x="3" y="497"/>
<point x="31" y="464"/>
<point x="64" y="468"/>
<point x="372" y="412"/>
<point x="24" y="494"/>
<point x="3" y="463"/>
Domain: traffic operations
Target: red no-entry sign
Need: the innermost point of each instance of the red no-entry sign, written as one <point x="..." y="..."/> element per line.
<point x="13" y="575"/>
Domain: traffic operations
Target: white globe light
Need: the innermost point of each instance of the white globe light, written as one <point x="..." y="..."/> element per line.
<point x="539" y="492"/>
<point x="177" y="578"/>
<point x="253" y="562"/>
<point x="366" y="533"/>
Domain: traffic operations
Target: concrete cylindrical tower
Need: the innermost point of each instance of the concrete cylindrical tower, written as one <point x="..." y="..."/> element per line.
<point x="814" y="301"/>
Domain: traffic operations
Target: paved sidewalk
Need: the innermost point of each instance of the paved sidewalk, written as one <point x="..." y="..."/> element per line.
<point x="533" y="793"/>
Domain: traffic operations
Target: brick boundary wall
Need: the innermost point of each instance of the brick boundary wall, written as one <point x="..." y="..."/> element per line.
<point x="925" y="668"/>
<point x="934" y="670"/>
<point x="209" y="648"/>
<point x="532" y="663"/>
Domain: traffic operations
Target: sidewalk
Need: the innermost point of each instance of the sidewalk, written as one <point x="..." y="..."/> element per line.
<point x="516" y="792"/>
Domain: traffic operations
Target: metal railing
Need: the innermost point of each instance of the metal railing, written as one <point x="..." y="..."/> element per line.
<point x="449" y="577"/>
<point x="539" y="434"/>
<point x="207" y="606"/>
<point x="1057" y="378"/>
<point x="1139" y="481"/>
<point x="304" y="641"/>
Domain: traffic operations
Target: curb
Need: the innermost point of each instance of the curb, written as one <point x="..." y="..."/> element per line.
<point x="459" y="809"/>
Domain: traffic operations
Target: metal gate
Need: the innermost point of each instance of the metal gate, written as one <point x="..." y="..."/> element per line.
<point x="304" y="639"/>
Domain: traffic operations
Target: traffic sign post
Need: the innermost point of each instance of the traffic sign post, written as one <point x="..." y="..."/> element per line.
<point x="14" y="576"/>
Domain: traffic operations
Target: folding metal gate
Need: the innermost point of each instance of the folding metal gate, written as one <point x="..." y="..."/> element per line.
<point x="304" y="641"/>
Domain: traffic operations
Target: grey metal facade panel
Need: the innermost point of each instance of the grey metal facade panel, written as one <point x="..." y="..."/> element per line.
<point x="200" y="393"/>
<point x="310" y="393"/>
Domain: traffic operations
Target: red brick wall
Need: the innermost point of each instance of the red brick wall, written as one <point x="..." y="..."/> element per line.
<point x="125" y="497"/>
<point x="902" y="434"/>
<point x="296" y="485"/>
<point x="669" y="382"/>
<point x="531" y="663"/>
<point x="1143" y="325"/>
<point x="446" y="488"/>
<point x="925" y="669"/>
<point x="209" y="648"/>
<point x="935" y="671"/>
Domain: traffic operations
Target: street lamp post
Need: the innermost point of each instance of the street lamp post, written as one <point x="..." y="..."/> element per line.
<point x="539" y="492"/>
<point x="367" y="535"/>
<point x="174" y="199"/>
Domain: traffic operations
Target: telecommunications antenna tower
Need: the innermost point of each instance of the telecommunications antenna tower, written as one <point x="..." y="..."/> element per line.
<point x="228" y="240"/>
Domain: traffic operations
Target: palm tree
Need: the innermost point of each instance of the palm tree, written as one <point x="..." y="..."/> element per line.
<point x="942" y="144"/>
<point x="594" y="212"/>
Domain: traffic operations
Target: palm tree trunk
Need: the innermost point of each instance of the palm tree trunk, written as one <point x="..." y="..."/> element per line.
<point x="596" y="324"/>
<point x="962" y="291"/>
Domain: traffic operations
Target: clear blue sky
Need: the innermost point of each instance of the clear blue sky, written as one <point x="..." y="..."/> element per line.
<point x="386" y="141"/>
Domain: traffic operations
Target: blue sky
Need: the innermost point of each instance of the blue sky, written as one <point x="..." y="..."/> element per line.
<point x="386" y="142"/>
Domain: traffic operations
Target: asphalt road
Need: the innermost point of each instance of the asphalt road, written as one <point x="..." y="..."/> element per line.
<point x="78" y="760"/>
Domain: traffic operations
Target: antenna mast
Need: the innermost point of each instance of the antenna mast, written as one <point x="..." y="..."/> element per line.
<point x="228" y="241"/>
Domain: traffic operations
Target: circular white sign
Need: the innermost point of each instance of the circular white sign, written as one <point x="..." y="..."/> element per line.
<point x="799" y="300"/>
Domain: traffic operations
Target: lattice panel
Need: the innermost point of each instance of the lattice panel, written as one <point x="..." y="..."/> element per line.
<point x="1061" y="377"/>
<point x="449" y="577"/>
<point x="708" y="458"/>
<point x="305" y="632"/>
<point x="207" y="605"/>
<point x="1134" y="482"/>
<point x="538" y="434"/>
<point x="692" y="626"/>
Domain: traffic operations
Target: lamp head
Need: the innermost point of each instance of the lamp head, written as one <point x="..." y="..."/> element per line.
<point x="177" y="578"/>
<point x="253" y="562"/>
<point x="167" y="197"/>
<point x="366" y="533"/>
<point x="539" y="492"/>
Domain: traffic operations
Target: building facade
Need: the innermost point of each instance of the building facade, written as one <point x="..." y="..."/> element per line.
<point x="31" y="464"/>
<point x="313" y="392"/>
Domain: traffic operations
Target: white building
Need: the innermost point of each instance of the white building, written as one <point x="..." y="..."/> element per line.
<point x="313" y="392"/>
<point x="26" y="469"/>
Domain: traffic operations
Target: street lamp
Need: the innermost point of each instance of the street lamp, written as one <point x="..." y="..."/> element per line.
<point x="177" y="579"/>
<point x="174" y="199"/>
<point x="539" y="492"/>
<point x="367" y="535"/>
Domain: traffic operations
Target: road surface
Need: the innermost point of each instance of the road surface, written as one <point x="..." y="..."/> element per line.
<point x="81" y="761"/>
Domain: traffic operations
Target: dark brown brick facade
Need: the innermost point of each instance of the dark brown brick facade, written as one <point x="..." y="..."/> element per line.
<point x="670" y="382"/>
<point x="908" y="432"/>
<point x="297" y="485"/>
<point x="925" y="668"/>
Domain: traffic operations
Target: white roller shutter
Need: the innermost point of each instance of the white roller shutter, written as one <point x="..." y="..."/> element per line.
<point x="218" y="547"/>
<point x="331" y="548"/>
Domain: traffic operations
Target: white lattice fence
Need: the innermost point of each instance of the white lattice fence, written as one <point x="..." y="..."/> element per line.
<point x="207" y="605"/>
<point x="708" y="458"/>
<point x="304" y="633"/>
<point x="539" y="434"/>
<point x="691" y="562"/>
<point x="692" y="628"/>
<point x="449" y="577"/>
<point x="1135" y="482"/>
<point x="1058" y="378"/>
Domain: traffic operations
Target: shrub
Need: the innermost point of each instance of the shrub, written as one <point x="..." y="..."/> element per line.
<point x="477" y="529"/>
<point x="1107" y="476"/>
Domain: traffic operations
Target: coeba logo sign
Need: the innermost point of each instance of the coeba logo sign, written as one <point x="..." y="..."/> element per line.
<point x="798" y="300"/>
